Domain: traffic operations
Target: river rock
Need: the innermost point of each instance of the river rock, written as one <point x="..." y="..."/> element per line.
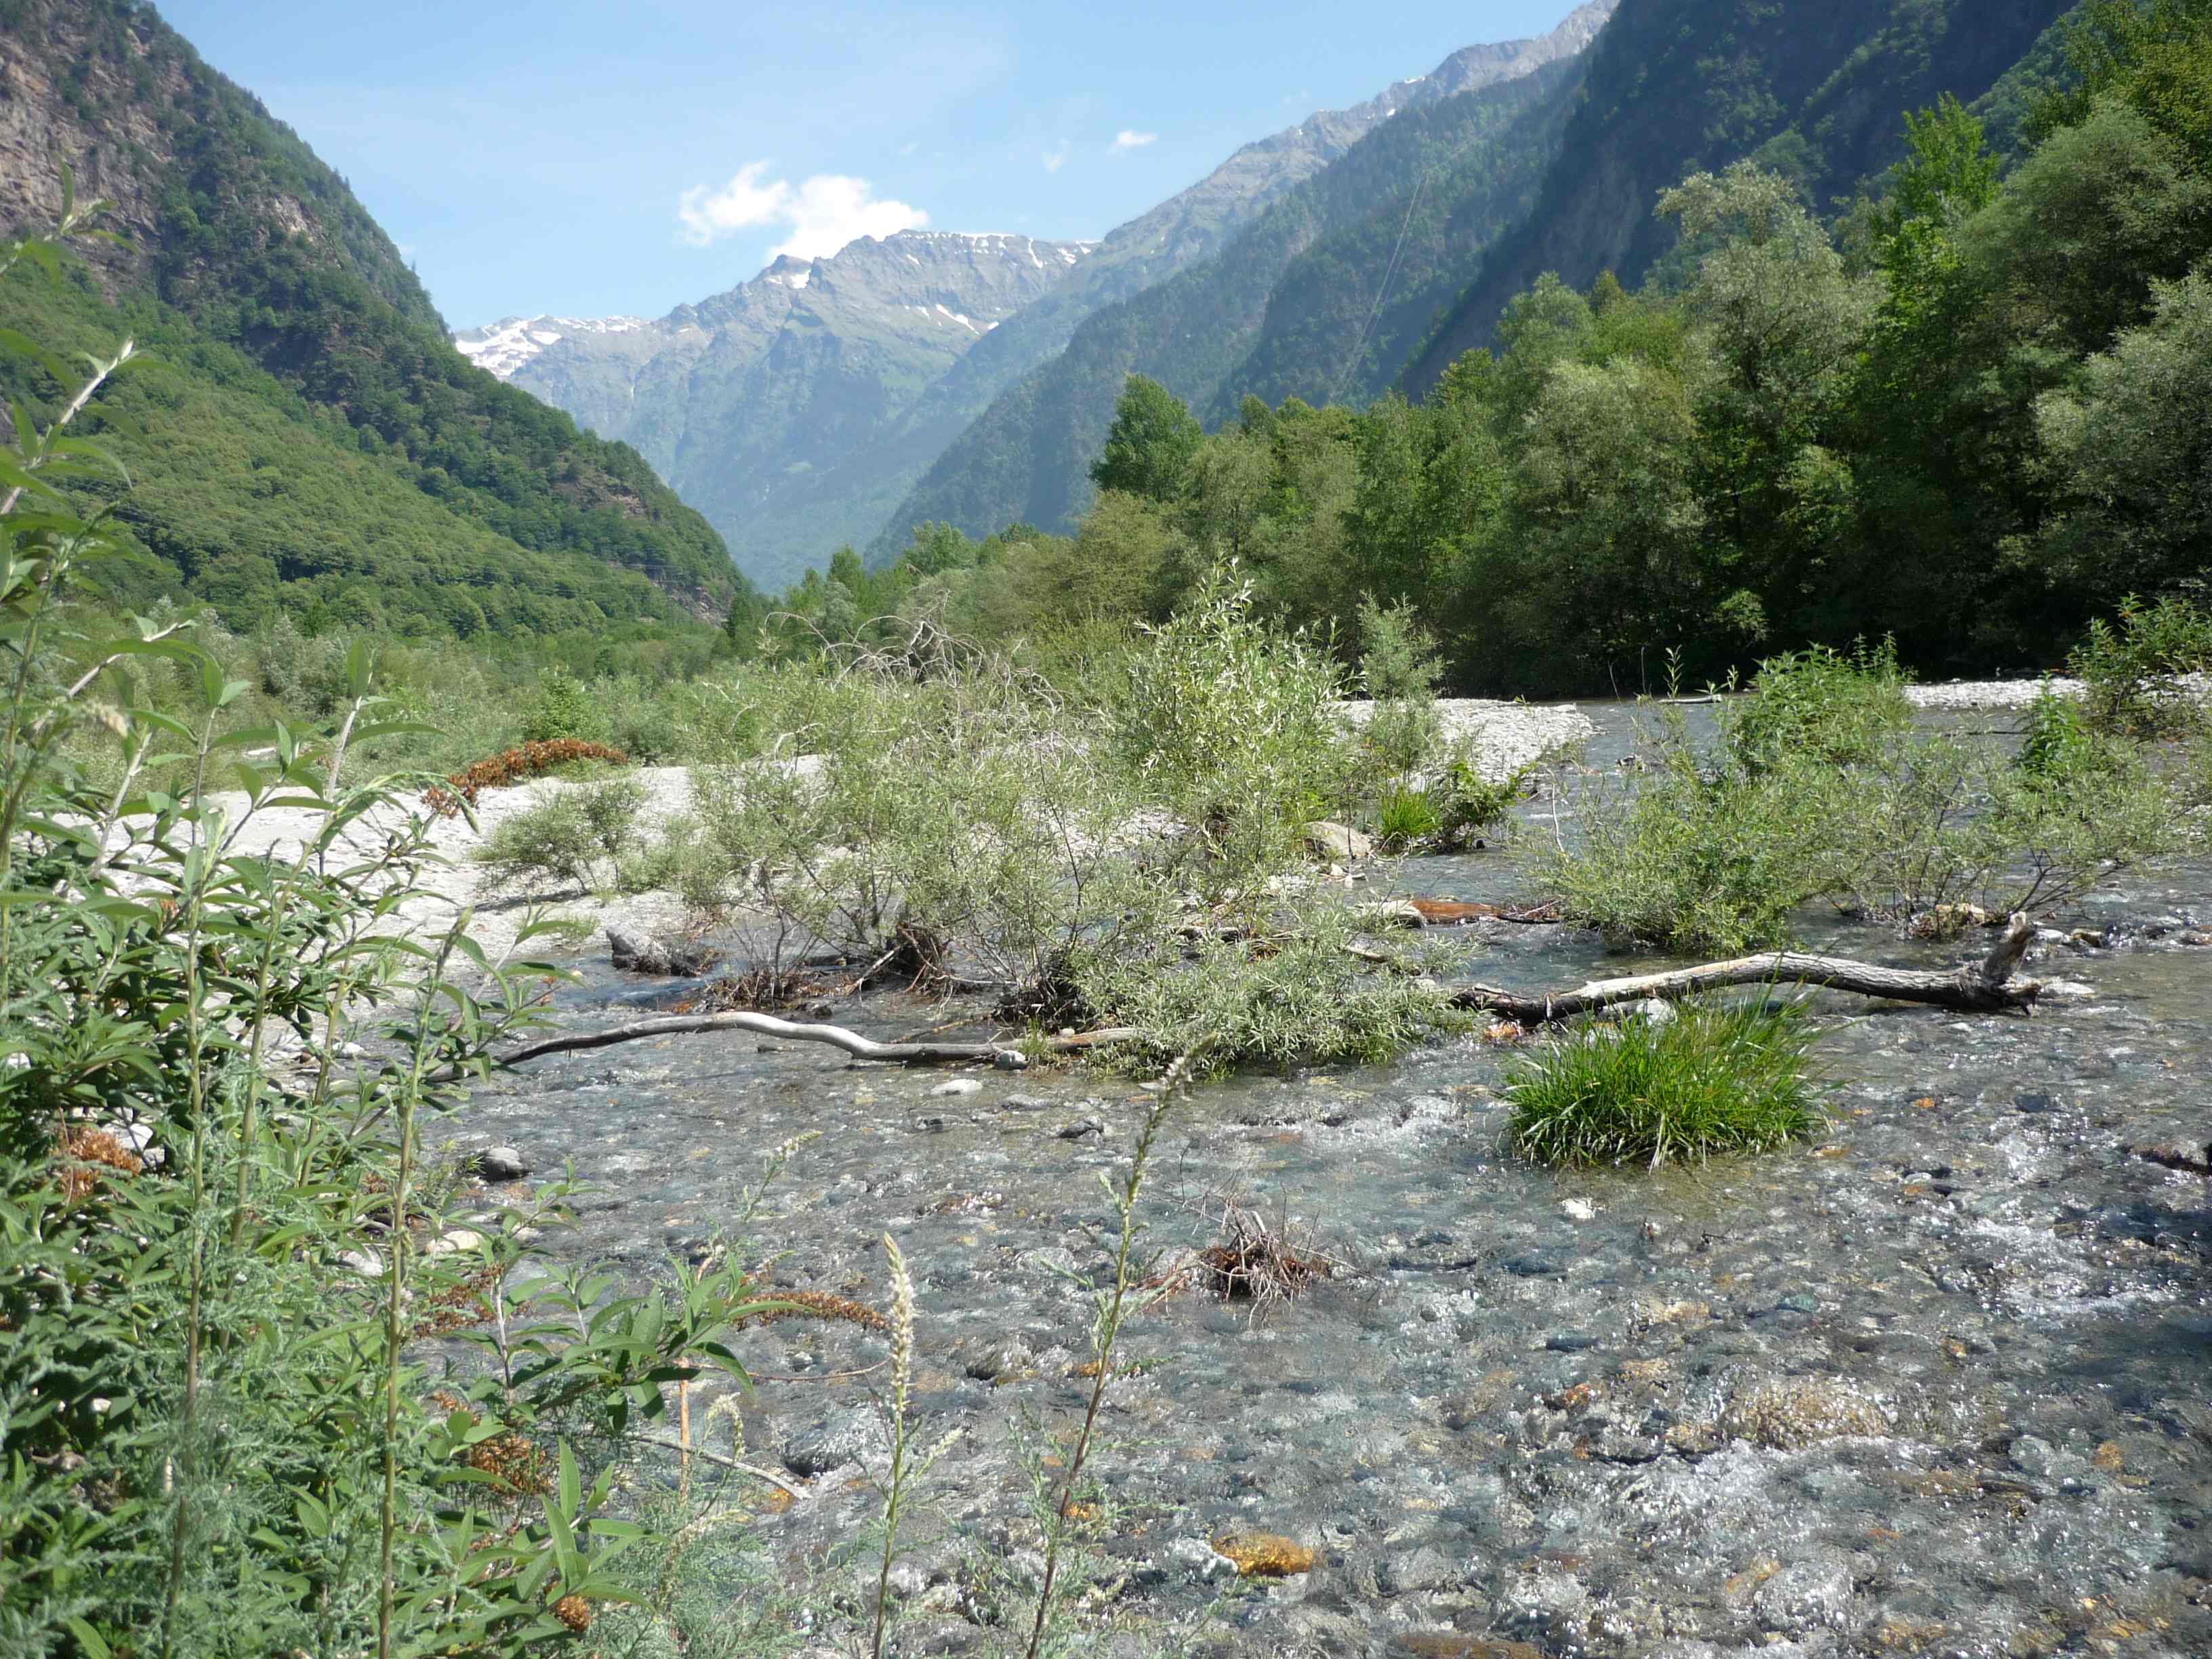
<point x="959" y="1086"/>
<point x="459" y="1241"/>
<point x="994" y="1359"/>
<point x="1811" y="1594"/>
<point x="635" y="953"/>
<point x="500" y="1164"/>
<point x="1340" y="842"/>
<point x="832" y="1440"/>
<point x="1200" y="1560"/>
<point x="2190" y="1158"/>
<point x="1407" y="1572"/>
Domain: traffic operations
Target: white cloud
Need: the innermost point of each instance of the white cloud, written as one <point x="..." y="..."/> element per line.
<point x="824" y="212"/>
<point x="1056" y="157"/>
<point x="1126" y="139"/>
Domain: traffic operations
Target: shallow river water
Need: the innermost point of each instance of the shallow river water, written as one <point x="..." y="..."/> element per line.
<point x="1935" y="1383"/>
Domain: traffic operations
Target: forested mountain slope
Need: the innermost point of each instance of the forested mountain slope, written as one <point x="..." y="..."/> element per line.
<point x="799" y="410"/>
<point x="1812" y="87"/>
<point x="1458" y="148"/>
<point x="779" y="409"/>
<point x="340" y="455"/>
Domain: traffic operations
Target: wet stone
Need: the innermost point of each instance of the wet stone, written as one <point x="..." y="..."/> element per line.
<point x="832" y="1441"/>
<point x="1534" y="1264"/>
<point x="1806" y="1595"/>
<point x="1407" y="1572"/>
<point x="994" y="1359"/>
<point x="500" y="1164"/>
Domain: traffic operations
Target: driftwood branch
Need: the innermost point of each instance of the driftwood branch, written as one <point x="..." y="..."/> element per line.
<point x="837" y="1036"/>
<point x="1983" y="987"/>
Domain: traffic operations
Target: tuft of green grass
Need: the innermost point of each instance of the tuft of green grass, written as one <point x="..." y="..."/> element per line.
<point x="1407" y="818"/>
<point x="1710" y="1079"/>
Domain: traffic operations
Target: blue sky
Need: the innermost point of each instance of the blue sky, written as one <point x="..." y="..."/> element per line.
<point x="585" y="160"/>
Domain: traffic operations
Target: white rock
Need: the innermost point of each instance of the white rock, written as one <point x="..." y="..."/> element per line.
<point x="1579" y="1209"/>
<point x="455" y="1243"/>
<point x="959" y="1086"/>
<point x="1200" y="1558"/>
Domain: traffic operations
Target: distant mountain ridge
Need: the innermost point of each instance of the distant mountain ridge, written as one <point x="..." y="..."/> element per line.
<point x="789" y="457"/>
<point x="780" y="409"/>
<point x="1480" y="128"/>
<point x="505" y="346"/>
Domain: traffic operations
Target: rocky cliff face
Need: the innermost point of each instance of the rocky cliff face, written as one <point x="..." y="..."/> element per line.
<point x="780" y="408"/>
<point x="143" y="123"/>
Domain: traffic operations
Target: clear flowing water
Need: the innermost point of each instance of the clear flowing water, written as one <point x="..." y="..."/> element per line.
<point x="1935" y="1383"/>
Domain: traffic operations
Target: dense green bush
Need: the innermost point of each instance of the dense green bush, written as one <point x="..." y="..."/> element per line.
<point x="579" y="835"/>
<point x="1399" y="671"/>
<point x="564" y="708"/>
<point x="1698" y="859"/>
<point x="1842" y="709"/>
<point x="1703" y="1081"/>
<point x="1818" y="789"/>
<point x="1467" y="804"/>
<point x="1226" y="722"/>
<point x="2134" y="667"/>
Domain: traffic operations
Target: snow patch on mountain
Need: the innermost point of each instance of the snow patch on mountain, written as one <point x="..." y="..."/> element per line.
<point x="504" y="346"/>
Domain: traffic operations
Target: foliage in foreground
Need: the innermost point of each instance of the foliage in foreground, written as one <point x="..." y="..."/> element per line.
<point x="1710" y="1079"/>
<point x="260" y="1393"/>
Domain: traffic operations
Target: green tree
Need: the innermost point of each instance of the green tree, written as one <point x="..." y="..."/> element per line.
<point x="2155" y="56"/>
<point x="1152" y="444"/>
<point x="2132" y="440"/>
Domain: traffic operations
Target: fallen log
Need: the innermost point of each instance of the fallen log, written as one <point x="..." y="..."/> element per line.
<point x="1978" y="988"/>
<point x="1983" y="987"/>
<point x="837" y="1036"/>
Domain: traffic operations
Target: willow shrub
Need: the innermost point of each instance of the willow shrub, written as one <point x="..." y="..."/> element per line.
<point x="219" y="1307"/>
<point x="1816" y="791"/>
<point x="1707" y="1080"/>
<point x="2136" y="669"/>
<point x="1227" y="724"/>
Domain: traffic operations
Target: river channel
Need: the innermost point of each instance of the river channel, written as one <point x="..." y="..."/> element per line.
<point x="1935" y="1382"/>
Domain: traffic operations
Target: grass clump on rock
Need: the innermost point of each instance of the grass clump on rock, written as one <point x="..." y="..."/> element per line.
<point x="1708" y="1079"/>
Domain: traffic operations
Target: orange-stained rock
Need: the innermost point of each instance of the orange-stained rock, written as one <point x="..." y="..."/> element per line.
<point x="1266" y="1554"/>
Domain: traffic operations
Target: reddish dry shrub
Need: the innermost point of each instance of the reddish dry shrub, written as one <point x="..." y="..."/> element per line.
<point x="85" y="1152"/>
<point x="515" y="1464"/>
<point x="461" y="1305"/>
<point x="530" y="760"/>
<point x="815" y="1304"/>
